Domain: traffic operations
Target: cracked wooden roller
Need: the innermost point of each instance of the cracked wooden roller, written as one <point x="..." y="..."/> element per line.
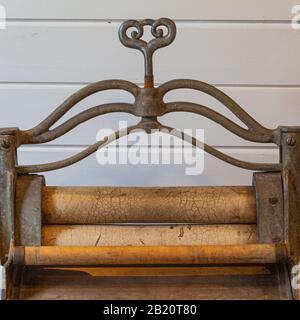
<point x="101" y="205"/>
<point x="209" y="215"/>
<point x="148" y="235"/>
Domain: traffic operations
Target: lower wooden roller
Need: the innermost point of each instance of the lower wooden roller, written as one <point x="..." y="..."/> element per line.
<point x="151" y="255"/>
<point x="154" y="235"/>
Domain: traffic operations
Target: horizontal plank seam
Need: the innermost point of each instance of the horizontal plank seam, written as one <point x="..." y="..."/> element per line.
<point x="79" y="84"/>
<point x="77" y="147"/>
<point x="120" y="20"/>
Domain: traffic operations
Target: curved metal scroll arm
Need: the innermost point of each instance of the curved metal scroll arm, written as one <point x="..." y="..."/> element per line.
<point x="81" y="118"/>
<point x="256" y="131"/>
<point x="145" y="127"/>
<point x="29" y="136"/>
<point x="148" y="105"/>
<point x="222" y="156"/>
<point x="182" y="106"/>
<point x="160" y="40"/>
<point x="77" y="157"/>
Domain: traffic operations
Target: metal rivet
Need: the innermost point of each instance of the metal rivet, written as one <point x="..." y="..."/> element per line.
<point x="5" y="143"/>
<point x="291" y="141"/>
<point x="273" y="201"/>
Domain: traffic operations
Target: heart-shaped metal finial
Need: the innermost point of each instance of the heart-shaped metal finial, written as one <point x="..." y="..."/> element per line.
<point x="148" y="48"/>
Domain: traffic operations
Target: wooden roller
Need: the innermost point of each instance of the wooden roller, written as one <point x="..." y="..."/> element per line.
<point x="99" y="205"/>
<point x="154" y="235"/>
<point x="151" y="255"/>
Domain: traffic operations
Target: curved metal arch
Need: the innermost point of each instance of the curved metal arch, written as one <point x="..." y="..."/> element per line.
<point x="124" y="132"/>
<point x="148" y="104"/>
<point x="181" y="106"/>
<point x="222" y="156"/>
<point x="75" y="98"/>
<point x="77" y="157"/>
<point x="228" y="102"/>
<point x="81" y="118"/>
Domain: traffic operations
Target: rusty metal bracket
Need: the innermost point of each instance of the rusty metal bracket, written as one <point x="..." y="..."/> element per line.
<point x="7" y="189"/>
<point x="269" y="206"/>
<point x="28" y="210"/>
<point x="290" y="158"/>
<point x="8" y="161"/>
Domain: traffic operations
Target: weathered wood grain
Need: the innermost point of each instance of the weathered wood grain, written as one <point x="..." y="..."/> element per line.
<point x="157" y="235"/>
<point x="154" y="255"/>
<point x="96" y="205"/>
<point x="174" y="271"/>
<point x="156" y="283"/>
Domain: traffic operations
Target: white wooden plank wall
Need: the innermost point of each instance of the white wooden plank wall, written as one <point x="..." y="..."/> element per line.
<point x="247" y="48"/>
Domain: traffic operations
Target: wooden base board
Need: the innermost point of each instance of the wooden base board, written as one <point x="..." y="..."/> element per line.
<point x="150" y="283"/>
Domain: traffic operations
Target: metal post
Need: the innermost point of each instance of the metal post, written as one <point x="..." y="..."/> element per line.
<point x="290" y="158"/>
<point x="7" y="188"/>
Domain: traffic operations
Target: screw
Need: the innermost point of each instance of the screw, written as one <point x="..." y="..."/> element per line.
<point x="291" y="141"/>
<point x="5" y="143"/>
<point x="273" y="201"/>
<point x="276" y="239"/>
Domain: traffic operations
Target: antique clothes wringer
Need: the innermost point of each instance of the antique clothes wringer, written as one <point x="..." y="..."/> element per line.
<point x="246" y="249"/>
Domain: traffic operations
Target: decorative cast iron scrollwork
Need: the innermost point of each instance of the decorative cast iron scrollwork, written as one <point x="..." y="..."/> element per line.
<point x="149" y="104"/>
<point x="147" y="48"/>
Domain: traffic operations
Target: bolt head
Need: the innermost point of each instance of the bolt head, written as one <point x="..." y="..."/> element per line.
<point x="273" y="201"/>
<point x="5" y="143"/>
<point x="276" y="239"/>
<point x="291" y="141"/>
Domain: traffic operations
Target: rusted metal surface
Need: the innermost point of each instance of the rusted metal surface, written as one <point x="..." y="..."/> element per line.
<point x="222" y="156"/>
<point x="160" y="40"/>
<point x="257" y="135"/>
<point x="290" y="157"/>
<point x="8" y="141"/>
<point x="76" y="158"/>
<point x="149" y="104"/>
<point x="32" y="135"/>
<point x="146" y="125"/>
<point x="28" y="212"/>
<point x="269" y="199"/>
<point x="7" y="188"/>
